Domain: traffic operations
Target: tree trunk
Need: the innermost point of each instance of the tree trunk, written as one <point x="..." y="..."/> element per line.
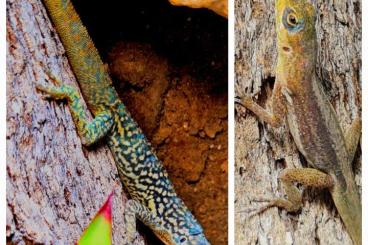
<point x="263" y="152"/>
<point x="54" y="185"/>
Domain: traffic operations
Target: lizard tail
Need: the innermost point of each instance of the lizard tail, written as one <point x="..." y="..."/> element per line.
<point x="347" y="202"/>
<point x="87" y="65"/>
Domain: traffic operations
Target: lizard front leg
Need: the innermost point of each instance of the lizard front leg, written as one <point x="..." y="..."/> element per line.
<point x="308" y="177"/>
<point x="90" y="132"/>
<point x="276" y="117"/>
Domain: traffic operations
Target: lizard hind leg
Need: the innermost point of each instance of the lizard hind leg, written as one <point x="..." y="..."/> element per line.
<point x="292" y="204"/>
<point x="90" y="132"/>
<point x="308" y="177"/>
<point x="272" y="202"/>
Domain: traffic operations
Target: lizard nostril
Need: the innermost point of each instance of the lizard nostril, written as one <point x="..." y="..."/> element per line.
<point x="286" y="49"/>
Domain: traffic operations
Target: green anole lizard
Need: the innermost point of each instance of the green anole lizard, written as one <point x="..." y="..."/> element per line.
<point x="298" y="99"/>
<point x="154" y="200"/>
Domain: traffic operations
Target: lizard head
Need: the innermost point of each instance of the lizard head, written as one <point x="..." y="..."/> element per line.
<point x="186" y="231"/>
<point x="295" y="26"/>
<point x="296" y="40"/>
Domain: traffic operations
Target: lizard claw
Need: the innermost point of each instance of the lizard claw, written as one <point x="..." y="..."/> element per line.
<point x="49" y="74"/>
<point x="258" y="210"/>
<point x="132" y="239"/>
<point x="263" y="199"/>
<point x="237" y="100"/>
<point x="42" y="87"/>
<point x="46" y="97"/>
<point x="51" y="92"/>
<point x="244" y="100"/>
<point x="53" y="79"/>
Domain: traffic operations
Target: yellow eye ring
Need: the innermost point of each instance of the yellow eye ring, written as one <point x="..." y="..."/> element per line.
<point x="291" y="19"/>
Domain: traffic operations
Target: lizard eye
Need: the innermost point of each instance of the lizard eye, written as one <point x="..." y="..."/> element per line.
<point x="291" y="21"/>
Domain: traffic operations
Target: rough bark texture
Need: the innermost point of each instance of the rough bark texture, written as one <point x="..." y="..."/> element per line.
<point x="54" y="185"/>
<point x="261" y="151"/>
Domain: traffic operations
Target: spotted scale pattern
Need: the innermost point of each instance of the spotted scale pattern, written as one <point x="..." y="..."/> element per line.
<point x="155" y="200"/>
<point x="145" y="177"/>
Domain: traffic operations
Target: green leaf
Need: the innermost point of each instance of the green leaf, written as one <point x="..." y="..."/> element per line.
<point x="99" y="230"/>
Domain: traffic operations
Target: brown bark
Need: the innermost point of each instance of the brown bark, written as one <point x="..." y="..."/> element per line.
<point x="261" y="151"/>
<point x="54" y="185"/>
